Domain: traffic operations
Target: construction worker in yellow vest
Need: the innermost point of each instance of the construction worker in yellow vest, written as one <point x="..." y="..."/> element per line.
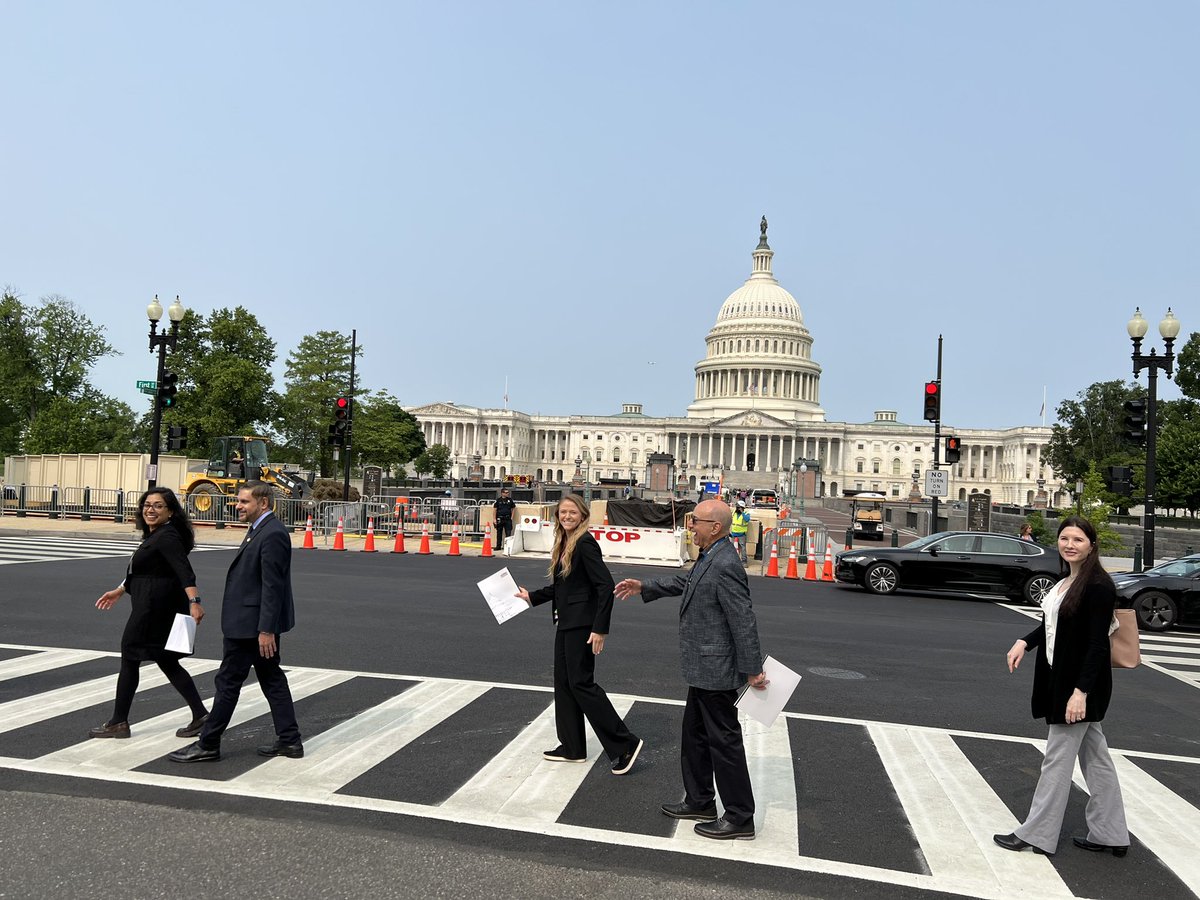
<point x="738" y="531"/>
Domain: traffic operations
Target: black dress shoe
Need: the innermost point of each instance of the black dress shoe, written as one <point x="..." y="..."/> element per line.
<point x="110" y="730"/>
<point x="724" y="830"/>
<point x="1012" y="842"/>
<point x="193" y="729"/>
<point x="194" y="753"/>
<point x="624" y="762"/>
<point x="291" y="751"/>
<point x="696" y="813"/>
<point x="1085" y="844"/>
<point x="558" y="754"/>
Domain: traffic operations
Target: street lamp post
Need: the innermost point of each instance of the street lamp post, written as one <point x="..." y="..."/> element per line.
<point x="803" y="471"/>
<point x="1169" y="329"/>
<point x="160" y="342"/>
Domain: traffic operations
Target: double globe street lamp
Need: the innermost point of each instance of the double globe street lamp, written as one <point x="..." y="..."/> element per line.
<point x="164" y="392"/>
<point x="1169" y="329"/>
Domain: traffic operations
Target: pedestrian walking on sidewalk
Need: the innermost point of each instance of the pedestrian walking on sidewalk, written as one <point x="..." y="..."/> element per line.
<point x="1072" y="685"/>
<point x="581" y="598"/>
<point x="160" y="584"/>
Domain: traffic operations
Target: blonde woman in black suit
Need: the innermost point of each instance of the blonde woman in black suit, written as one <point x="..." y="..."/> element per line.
<point x="581" y="598"/>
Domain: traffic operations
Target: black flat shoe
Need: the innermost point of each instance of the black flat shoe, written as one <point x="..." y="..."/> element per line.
<point x="114" y="730"/>
<point x="1012" y="842"/>
<point x="194" y="753"/>
<point x="1085" y="844"/>
<point x="624" y="762"/>
<point x="291" y="751"/>
<point x="696" y="814"/>
<point x="724" y="830"/>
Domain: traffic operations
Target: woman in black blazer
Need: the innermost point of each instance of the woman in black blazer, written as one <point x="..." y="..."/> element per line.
<point x="581" y="599"/>
<point x="161" y="584"/>
<point x="1072" y="684"/>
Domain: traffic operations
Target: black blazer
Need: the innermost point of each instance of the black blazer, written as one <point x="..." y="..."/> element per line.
<point x="1082" y="658"/>
<point x="583" y="599"/>
<point x="258" y="588"/>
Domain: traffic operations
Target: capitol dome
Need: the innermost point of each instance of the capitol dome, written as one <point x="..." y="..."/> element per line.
<point x="759" y="352"/>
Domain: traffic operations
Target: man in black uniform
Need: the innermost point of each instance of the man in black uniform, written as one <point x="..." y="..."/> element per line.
<point x="504" y="516"/>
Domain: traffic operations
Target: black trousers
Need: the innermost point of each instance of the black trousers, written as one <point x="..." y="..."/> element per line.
<point x="576" y="695"/>
<point x="504" y="529"/>
<point x="240" y="656"/>
<point x="712" y="747"/>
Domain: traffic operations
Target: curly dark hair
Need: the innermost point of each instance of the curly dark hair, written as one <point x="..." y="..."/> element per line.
<point x="179" y="517"/>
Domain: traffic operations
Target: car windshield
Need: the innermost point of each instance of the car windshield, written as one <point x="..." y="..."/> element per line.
<point x="1185" y="567"/>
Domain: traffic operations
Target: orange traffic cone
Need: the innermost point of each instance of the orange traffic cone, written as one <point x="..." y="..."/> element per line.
<point x="773" y="564"/>
<point x="454" y="551"/>
<point x="606" y="520"/>
<point x="308" y="536"/>
<point x="369" y="544"/>
<point x="339" y="539"/>
<point x="792" y="571"/>
<point x="810" y="570"/>
<point x="827" y="571"/>
<point x="487" y="540"/>
<point x="398" y="547"/>
<point x="424" y="550"/>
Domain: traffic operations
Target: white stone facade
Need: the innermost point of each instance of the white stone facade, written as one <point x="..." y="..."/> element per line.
<point x="756" y="411"/>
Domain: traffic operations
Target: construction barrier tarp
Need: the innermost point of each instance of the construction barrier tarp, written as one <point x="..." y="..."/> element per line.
<point x="645" y="514"/>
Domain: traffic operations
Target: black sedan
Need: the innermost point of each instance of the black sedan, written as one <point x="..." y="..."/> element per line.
<point x="965" y="562"/>
<point x="1165" y="596"/>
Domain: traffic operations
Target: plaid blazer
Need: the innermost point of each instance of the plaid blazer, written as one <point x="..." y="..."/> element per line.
<point x="718" y="634"/>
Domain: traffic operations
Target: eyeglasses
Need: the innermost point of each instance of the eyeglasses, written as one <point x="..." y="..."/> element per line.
<point x="698" y="519"/>
<point x="154" y="506"/>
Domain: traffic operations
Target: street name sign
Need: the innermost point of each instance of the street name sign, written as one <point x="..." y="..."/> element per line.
<point x="937" y="483"/>
<point x="147" y="387"/>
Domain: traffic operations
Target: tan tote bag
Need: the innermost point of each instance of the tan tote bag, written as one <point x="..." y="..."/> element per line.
<point x="1123" y="637"/>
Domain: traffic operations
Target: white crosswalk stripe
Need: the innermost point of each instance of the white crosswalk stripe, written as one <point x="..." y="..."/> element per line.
<point x="16" y="549"/>
<point x="946" y="803"/>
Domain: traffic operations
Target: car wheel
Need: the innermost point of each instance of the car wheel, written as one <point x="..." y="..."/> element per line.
<point x="881" y="579"/>
<point x="1037" y="587"/>
<point x="1155" y="611"/>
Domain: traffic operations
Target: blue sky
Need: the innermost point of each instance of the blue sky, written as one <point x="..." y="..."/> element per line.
<point x="564" y="192"/>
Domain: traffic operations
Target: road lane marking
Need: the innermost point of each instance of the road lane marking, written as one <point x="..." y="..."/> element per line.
<point x="44" y="661"/>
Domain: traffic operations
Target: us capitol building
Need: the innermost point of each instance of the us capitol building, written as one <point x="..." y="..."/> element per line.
<point x="756" y="416"/>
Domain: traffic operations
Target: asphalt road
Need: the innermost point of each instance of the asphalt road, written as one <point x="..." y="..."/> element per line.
<point x="867" y="661"/>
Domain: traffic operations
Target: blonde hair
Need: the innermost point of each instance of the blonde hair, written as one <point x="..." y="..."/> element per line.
<point x="564" y="543"/>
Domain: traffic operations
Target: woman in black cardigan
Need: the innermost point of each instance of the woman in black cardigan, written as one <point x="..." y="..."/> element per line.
<point x="581" y="599"/>
<point x="161" y="584"/>
<point x="1072" y="684"/>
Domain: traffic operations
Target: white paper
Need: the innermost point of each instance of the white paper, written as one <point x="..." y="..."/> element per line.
<point x="500" y="592"/>
<point x="765" y="706"/>
<point x="182" y="638"/>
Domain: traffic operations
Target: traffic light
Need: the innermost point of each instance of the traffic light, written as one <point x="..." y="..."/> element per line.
<point x="167" y="388"/>
<point x="933" y="401"/>
<point x="1135" y="421"/>
<point x="341" y="421"/>
<point x="335" y="436"/>
<point x="1119" y="480"/>
<point x="953" y="449"/>
<point x="177" y="437"/>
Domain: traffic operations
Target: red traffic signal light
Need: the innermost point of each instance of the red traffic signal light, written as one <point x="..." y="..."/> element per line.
<point x="341" y="408"/>
<point x="953" y="449"/>
<point x="933" y="401"/>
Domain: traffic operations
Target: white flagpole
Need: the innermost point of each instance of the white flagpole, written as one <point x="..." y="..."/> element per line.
<point x="506" y="392"/>
<point x="1043" y="406"/>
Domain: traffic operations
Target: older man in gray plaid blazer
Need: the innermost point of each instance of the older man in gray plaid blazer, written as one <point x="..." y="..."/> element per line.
<point x="719" y="652"/>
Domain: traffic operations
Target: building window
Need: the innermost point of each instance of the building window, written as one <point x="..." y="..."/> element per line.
<point x="875" y="467"/>
<point x="895" y="490"/>
<point x="896" y="466"/>
<point x="616" y="454"/>
<point x="860" y="446"/>
<point x="858" y="465"/>
<point x="599" y="454"/>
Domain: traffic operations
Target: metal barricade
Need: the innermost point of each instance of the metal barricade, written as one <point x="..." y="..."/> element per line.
<point x="787" y="536"/>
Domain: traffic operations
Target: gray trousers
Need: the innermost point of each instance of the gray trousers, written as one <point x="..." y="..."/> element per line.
<point x="1105" y="812"/>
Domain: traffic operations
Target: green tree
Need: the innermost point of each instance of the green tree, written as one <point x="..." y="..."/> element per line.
<point x="66" y="345"/>
<point x="225" y="383"/>
<point x="19" y="381"/>
<point x="1095" y="505"/>
<point x="92" y="423"/>
<point x="1041" y="533"/>
<point x="1090" y="430"/>
<point x="1187" y="367"/>
<point x="384" y="434"/>
<point x="1177" y="464"/>
<point x="422" y="464"/>
<point x="315" y="372"/>
<point x="439" y="460"/>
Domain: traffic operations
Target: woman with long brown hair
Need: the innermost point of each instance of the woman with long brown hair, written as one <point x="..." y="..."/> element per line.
<point x="1072" y="685"/>
<point x="161" y="584"/>
<point x="582" y="597"/>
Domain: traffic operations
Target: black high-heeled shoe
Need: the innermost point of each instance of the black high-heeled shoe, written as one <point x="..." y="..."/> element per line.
<point x="1012" y="842"/>
<point x="1085" y="844"/>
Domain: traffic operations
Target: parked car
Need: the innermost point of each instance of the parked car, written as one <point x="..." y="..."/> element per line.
<point x="963" y="562"/>
<point x="1164" y="596"/>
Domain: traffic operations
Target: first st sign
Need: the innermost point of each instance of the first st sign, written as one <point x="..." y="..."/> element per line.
<point x="147" y="387"/>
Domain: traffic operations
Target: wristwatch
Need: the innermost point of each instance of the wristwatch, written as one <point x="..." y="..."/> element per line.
<point x="195" y="599"/>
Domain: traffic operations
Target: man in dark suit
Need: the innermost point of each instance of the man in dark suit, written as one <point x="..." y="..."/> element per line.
<point x="257" y="608"/>
<point x="718" y="648"/>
